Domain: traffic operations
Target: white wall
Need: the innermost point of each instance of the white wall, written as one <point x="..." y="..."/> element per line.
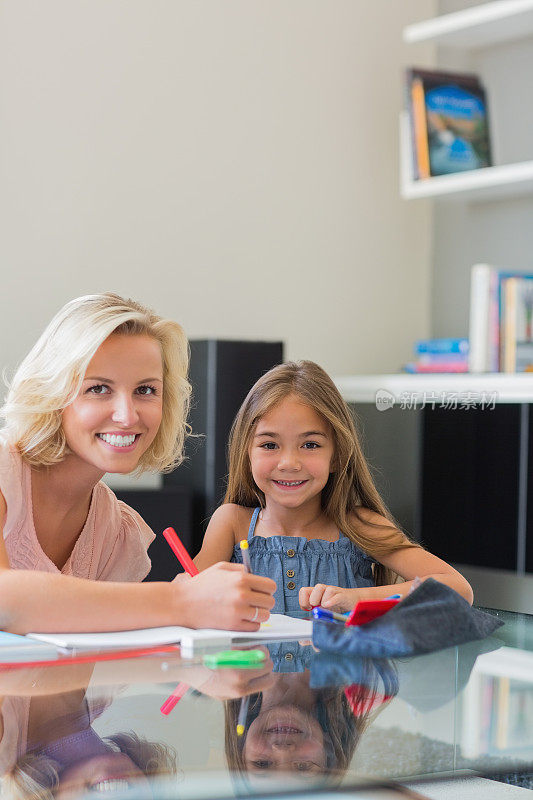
<point x="233" y="163"/>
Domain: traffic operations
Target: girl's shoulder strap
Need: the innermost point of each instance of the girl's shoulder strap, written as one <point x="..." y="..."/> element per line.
<point x="253" y="523"/>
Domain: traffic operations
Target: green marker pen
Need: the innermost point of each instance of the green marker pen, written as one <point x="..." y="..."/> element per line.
<point x="234" y="658"/>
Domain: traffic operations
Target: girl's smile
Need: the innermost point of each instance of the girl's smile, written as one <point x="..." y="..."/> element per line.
<point x="291" y="454"/>
<point x="290" y="484"/>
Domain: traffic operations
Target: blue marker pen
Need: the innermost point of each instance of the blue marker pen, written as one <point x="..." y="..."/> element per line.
<point x="330" y="616"/>
<point x="394" y="597"/>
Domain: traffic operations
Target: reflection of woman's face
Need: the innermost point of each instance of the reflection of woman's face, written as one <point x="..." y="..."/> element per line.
<point x="285" y="738"/>
<point x="100" y="773"/>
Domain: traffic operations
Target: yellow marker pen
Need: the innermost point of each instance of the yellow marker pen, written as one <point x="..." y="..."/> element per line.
<point x="245" y="555"/>
<point x="243" y="713"/>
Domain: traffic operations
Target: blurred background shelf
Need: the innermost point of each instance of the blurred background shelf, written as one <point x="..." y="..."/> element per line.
<point x="480" y="26"/>
<point x="490" y="183"/>
<point x="507" y="388"/>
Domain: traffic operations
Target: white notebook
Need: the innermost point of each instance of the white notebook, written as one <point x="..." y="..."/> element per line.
<point x="16" y="649"/>
<point x="277" y="628"/>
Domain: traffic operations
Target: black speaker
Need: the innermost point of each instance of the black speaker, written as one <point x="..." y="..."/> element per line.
<point x="470" y="479"/>
<point x="221" y="373"/>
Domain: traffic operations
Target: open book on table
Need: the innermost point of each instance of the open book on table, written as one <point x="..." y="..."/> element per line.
<point x="277" y="628"/>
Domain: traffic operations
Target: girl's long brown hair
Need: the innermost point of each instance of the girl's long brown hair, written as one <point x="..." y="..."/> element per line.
<point x="342" y="720"/>
<point x="350" y="487"/>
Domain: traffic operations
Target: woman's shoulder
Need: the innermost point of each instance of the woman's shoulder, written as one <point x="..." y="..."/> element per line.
<point x="13" y="486"/>
<point x="120" y="516"/>
<point x="9" y="455"/>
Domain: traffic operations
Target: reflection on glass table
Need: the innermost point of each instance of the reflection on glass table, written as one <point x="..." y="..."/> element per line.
<point x="309" y="721"/>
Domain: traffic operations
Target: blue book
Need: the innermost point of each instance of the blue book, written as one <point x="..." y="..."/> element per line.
<point x="487" y="316"/>
<point x="442" y="347"/>
<point x="449" y="120"/>
<point x="15" y="648"/>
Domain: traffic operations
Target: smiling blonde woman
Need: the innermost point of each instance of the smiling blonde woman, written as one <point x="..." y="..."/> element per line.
<point x="104" y="389"/>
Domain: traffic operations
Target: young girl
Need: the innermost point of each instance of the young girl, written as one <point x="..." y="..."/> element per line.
<point x="300" y="491"/>
<point x="104" y="390"/>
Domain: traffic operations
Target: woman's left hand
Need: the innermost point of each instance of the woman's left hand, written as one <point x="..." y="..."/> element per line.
<point x="334" y="598"/>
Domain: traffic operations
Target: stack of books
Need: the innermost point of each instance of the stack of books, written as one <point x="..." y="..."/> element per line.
<point x="449" y="122"/>
<point x="439" y="355"/>
<point x="501" y="320"/>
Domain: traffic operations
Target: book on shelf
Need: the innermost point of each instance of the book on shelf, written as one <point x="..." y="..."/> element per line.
<point x="439" y="356"/>
<point x="501" y="304"/>
<point x="517" y="311"/>
<point x="449" y="122"/>
<point x="442" y="347"/>
<point x="420" y="367"/>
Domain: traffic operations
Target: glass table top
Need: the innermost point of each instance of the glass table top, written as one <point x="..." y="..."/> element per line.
<point x="300" y="721"/>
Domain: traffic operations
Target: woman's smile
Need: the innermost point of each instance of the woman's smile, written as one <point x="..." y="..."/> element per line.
<point x="117" y="413"/>
<point x="119" y="441"/>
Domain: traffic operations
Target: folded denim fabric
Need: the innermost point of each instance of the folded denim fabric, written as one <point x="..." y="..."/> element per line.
<point x="429" y="619"/>
<point x="332" y="669"/>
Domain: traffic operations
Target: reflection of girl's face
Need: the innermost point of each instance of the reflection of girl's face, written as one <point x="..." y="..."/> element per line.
<point x="285" y="738"/>
<point x="103" y="772"/>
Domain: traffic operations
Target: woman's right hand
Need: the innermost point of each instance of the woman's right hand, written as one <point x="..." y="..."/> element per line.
<point x="224" y="596"/>
<point x="182" y="576"/>
<point x="228" y="684"/>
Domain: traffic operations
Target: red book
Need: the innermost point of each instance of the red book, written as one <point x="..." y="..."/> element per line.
<point x="437" y="367"/>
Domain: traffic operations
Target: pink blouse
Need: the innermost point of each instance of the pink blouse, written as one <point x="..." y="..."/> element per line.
<point x="111" y="547"/>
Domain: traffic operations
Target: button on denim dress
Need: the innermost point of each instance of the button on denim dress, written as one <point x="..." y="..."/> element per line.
<point x="294" y="561"/>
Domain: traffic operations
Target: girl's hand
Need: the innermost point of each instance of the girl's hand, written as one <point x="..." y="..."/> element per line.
<point x="333" y="598"/>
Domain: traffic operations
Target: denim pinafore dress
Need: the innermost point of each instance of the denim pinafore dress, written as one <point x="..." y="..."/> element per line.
<point x="294" y="561"/>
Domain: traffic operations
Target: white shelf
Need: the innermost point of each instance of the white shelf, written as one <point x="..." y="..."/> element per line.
<point x="503" y="388"/>
<point x="507" y="662"/>
<point x="480" y="26"/>
<point x="489" y="183"/>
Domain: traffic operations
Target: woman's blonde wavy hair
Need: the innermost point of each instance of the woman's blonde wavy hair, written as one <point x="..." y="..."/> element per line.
<point x="37" y="777"/>
<point x="51" y="375"/>
<point x="350" y="486"/>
